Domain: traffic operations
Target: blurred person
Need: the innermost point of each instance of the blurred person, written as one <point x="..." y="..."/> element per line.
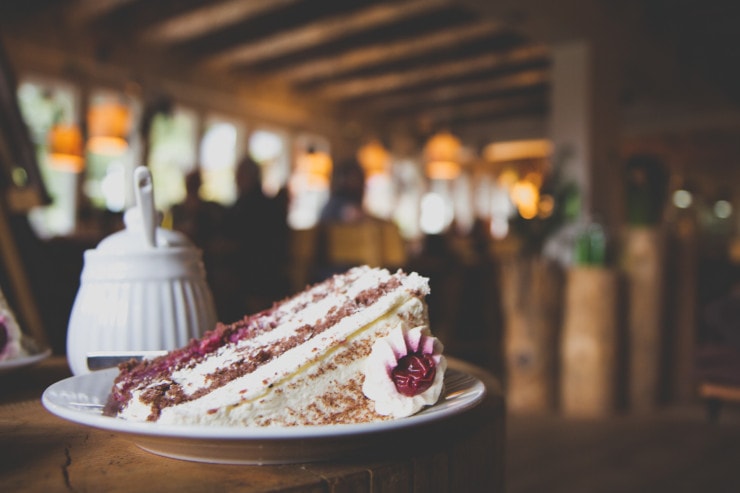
<point x="199" y="219"/>
<point x="363" y="240"/>
<point x="344" y="206"/>
<point x="257" y="227"/>
<point x="347" y="195"/>
<point x="202" y="222"/>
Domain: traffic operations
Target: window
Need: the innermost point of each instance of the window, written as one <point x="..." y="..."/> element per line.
<point x="43" y="105"/>
<point x="112" y="150"/>
<point x="410" y="188"/>
<point x="270" y="150"/>
<point x="172" y="154"/>
<point x="219" y="151"/>
<point x="309" y="182"/>
<point x="437" y="209"/>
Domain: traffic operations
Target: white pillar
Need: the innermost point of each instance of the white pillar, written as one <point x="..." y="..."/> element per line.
<point x="570" y="113"/>
<point x="584" y="124"/>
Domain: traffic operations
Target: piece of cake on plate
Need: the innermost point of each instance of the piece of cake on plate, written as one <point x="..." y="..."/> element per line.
<point x="11" y="337"/>
<point x="355" y="348"/>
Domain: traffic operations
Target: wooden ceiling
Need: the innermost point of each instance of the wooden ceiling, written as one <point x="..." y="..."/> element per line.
<point x="421" y="64"/>
<point x="433" y="63"/>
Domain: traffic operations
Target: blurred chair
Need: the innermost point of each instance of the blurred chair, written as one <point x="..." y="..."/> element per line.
<point x="368" y="242"/>
<point x="350" y="244"/>
<point x="303" y="246"/>
<point x="393" y="248"/>
<point x="717" y="359"/>
<point x="718" y="376"/>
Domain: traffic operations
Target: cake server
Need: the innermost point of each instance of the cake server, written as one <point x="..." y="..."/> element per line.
<point x="100" y="360"/>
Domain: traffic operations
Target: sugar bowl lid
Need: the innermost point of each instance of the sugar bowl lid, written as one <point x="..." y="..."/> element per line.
<point x="142" y="233"/>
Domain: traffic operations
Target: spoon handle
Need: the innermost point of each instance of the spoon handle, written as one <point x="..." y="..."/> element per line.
<point x="145" y="199"/>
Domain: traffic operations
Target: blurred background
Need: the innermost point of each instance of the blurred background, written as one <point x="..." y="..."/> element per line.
<point x="564" y="172"/>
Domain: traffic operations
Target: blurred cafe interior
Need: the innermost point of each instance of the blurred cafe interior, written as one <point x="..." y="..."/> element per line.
<point x="565" y="173"/>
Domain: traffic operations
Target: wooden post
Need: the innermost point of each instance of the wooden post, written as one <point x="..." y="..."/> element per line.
<point x="532" y="299"/>
<point x="589" y="342"/>
<point x="643" y="265"/>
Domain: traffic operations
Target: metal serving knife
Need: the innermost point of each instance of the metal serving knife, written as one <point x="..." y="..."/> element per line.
<point x="100" y="360"/>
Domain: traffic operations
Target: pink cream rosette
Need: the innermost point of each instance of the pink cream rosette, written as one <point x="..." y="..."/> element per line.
<point x="405" y="372"/>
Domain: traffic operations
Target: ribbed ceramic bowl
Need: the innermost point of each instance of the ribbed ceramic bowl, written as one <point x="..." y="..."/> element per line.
<point x="140" y="301"/>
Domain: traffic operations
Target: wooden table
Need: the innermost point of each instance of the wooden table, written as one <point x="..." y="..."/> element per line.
<point x="41" y="452"/>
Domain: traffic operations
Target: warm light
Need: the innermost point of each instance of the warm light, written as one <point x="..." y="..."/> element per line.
<point x="108" y="127"/>
<point x="500" y="203"/>
<point x="19" y="176"/>
<point x="218" y="147"/>
<point x="434" y="213"/>
<point x="517" y="150"/>
<point x="65" y="148"/>
<point x="373" y="158"/>
<point x="525" y="196"/>
<point x="682" y="199"/>
<point x="507" y="178"/>
<point x="499" y="227"/>
<point x="546" y="207"/>
<point x="443" y="170"/>
<point x="315" y="168"/>
<point x="722" y="209"/>
<point x="526" y="158"/>
<point x="264" y="146"/>
<point x="534" y="178"/>
<point x="442" y="155"/>
<point x="380" y="197"/>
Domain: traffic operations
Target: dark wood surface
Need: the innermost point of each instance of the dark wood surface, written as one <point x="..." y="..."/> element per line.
<point x="674" y="449"/>
<point x="41" y="452"/>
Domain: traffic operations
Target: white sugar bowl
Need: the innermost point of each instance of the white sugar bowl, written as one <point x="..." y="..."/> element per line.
<point x="142" y="288"/>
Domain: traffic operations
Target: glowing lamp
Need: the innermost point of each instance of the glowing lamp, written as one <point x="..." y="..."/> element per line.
<point x="442" y="155"/>
<point x="65" y="148"/>
<point x="315" y="168"/>
<point x="517" y="150"/>
<point x="107" y="127"/>
<point x="373" y="158"/>
<point x="523" y="164"/>
<point x="526" y="197"/>
<point x="507" y="178"/>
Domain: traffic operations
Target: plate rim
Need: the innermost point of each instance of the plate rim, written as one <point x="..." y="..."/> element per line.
<point x="475" y="394"/>
<point x="24" y="360"/>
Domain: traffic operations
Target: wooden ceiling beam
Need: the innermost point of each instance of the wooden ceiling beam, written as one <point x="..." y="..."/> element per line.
<point x="332" y="66"/>
<point x="528" y="79"/>
<point x="86" y="11"/>
<point x="373" y="85"/>
<point x="209" y="18"/>
<point x="322" y="31"/>
<point x="479" y="109"/>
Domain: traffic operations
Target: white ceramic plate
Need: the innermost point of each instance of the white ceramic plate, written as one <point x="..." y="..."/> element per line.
<point x="79" y="399"/>
<point x="22" y="361"/>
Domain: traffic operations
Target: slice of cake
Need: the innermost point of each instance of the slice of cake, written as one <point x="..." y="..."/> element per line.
<point x="11" y="337"/>
<point x="354" y="348"/>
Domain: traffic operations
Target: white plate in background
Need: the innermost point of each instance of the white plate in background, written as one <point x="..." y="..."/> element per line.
<point x="23" y="361"/>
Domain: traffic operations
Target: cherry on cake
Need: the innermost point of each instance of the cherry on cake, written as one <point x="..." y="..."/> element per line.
<point x="355" y="348"/>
